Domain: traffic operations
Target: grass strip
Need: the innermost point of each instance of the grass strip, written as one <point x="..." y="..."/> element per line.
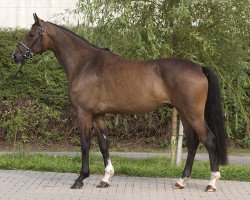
<point x="150" y="167"/>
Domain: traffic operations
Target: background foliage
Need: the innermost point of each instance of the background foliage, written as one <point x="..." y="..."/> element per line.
<point x="212" y="33"/>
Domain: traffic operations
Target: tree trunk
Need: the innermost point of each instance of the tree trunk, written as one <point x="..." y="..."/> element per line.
<point x="179" y="145"/>
<point x="173" y="136"/>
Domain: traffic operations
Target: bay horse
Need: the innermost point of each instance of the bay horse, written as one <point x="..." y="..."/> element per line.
<point x="101" y="82"/>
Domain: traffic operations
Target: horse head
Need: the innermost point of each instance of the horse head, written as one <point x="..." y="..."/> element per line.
<point x="33" y="43"/>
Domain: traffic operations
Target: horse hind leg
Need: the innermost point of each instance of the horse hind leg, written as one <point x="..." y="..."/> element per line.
<point x="103" y="145"/>
<point x="208" y="139"/>
<point x="192" y="144"/>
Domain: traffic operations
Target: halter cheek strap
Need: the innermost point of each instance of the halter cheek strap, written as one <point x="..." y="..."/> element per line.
<point x="29" y="53"/>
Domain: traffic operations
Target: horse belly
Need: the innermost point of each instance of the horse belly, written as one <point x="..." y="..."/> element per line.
<point x="138" y="98"/>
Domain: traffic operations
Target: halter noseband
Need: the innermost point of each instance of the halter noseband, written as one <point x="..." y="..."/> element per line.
<point x="29" y="53"/>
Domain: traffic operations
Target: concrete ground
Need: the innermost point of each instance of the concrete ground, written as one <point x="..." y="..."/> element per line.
<point x="18" y="184"/>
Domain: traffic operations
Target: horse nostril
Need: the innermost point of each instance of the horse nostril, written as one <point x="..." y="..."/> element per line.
<point x="13" y="56"/>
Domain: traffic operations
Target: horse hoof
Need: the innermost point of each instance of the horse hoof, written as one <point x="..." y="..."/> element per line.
<point x="103" y="184"/>
<point x="77" y="185"/>
<point x="209" y="188"/>
<point x="178" y="186"/>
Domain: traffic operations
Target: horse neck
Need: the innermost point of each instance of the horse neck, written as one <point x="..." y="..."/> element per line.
<point x="70" y="51"/>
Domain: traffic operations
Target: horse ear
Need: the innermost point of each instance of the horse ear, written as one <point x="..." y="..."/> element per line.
<point x="36" y="18"/>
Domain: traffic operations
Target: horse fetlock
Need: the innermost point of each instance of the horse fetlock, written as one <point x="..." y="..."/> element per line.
<point x="84" y="175"/>
<point x="215" y="175"/>
<point x="109" y="172"/>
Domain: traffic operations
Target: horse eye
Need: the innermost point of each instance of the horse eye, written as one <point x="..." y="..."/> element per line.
<point x="31" y="35"/>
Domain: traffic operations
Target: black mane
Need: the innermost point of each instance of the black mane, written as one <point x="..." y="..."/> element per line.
<point x="78" y="37"/>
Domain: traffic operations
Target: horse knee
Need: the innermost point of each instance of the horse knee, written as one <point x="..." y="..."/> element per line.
<point x="109" y="171"/>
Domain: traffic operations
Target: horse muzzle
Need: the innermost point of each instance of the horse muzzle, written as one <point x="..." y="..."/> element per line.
<point x="17" y="57"/>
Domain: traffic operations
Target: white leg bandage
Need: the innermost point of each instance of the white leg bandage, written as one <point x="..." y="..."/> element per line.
<point x="214" y="177"/>
<point x="109" y="172"/>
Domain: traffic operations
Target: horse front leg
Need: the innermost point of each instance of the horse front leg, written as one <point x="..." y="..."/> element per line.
<point x="99" y="127"/>
<point x="85" y="124"/>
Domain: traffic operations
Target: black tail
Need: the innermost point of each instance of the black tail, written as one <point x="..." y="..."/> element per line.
<point x="214" y="116"/>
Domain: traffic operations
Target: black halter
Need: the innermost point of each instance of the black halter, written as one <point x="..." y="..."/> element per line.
<point x="29" y="52"/>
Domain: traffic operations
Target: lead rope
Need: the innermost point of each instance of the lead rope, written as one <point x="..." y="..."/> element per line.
<point x="12" y="77"/>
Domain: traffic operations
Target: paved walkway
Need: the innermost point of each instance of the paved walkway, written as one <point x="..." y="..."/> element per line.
<point x="49" y="185"/>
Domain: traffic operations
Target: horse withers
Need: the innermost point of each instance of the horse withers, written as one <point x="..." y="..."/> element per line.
<point x="101" y="82"/>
